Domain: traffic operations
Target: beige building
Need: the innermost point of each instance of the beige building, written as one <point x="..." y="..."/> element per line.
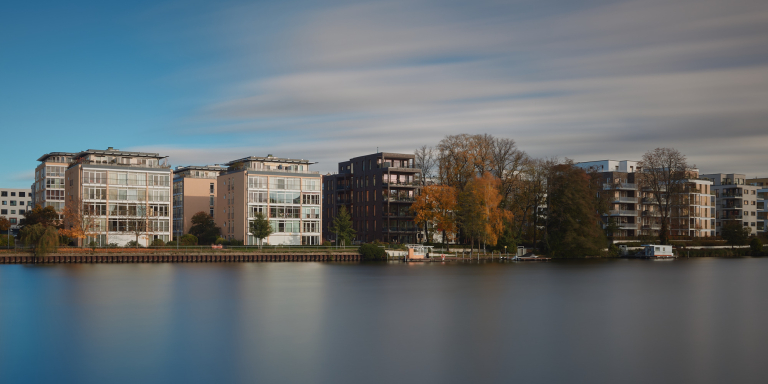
<point x="194" y="190"/>
<point x="762" y="203"/>
<point x="736" y="200"/>
<point x="126" y="194"/>
<point x="284" y="190"/>
<point x="634" y="210"/>
<point x="48" y="189"/>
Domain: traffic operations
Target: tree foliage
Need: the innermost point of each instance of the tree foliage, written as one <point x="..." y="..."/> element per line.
<point x="734" y="233"/>
<point x="188" y="240"/>
<point x="204" y="228"/>
<point x="342" y="227"/>
<point x="480" y="209"/>
<point x="5" y="224"/>
<point x="436" y="204"/>
<point x="44" y="239"/>
<point x="756" y="245"/>
<point x="573" y="226"/>
<point x="260" y="228"/>
<point x="79" y="222"/>
<point x="46" y="216"/>
<point x="664" y="172"/>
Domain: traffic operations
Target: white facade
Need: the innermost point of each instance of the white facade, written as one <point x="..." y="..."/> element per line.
<point x="762" y="210"/>
<point x="14" y="202"/>
<point x="627" y="166"/>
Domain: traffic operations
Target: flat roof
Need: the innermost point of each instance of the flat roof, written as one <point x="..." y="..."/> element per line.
<point x="200" y="168"/>
<point x="47" y="155"/>
<point x="271" y="159"/>
<point x="116" y="152"/>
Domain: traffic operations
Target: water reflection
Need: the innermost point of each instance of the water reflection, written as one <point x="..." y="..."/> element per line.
<point x="696" y="320"/>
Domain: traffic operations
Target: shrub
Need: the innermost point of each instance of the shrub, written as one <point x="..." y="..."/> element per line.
<point x="235" y="242"/>
<point x="188" y="240"/>
<point x="133" y="244"/>
<point x="222" y="241"/>
<point x="756" y="245"/>
<point x="4" y="240"/>
<point x="157" y="243"/>
<point x="113" y="245"/>
<point x="372" y="252"/>
<point x="326" y="243"/>
<point x="171" y="243"/>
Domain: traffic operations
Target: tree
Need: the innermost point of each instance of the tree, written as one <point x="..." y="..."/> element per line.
<point x="480" y="209"/>
<point x="5" y="225"/>
<point x="734" y="232"/>
<point x="38" y="215"/>
<point x="529" y="197"/>
<point x="342" y="227"/>
<point x="572" y="223"/>
<point x="756" y="245"/>
<point x="424" y="159"/>
<point x="664" y="172"/>
<point x="436" y="204"/>
<point x="80" y="222"/>
<point x="260" y="228"/>
<point x="204" y="228"/>
<point x="44" y="239"/>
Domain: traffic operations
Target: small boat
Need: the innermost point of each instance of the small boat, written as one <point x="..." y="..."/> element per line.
<point x="530" y="257"/>
<point x="418" y="252"/>
<point x="651" y="251"/>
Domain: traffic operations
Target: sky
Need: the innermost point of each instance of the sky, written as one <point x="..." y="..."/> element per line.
<point x="206" y="82"/>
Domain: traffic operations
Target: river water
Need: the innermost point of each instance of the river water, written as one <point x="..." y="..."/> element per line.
<point x="587" y="321"/>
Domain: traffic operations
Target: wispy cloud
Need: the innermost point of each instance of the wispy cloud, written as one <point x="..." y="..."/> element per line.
<point x="598" y="79"/>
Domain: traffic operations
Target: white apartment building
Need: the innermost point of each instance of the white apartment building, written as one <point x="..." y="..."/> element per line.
<point x="735" y="200"/>
<point x="48" y="189"/>
<point x="14" y="203"/>
<point x="284" y="190"/>
<point x="128" y="195"/>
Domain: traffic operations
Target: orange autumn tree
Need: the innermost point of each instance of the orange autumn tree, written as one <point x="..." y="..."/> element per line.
<point x="435" y="204"/>
<point x="480" y="209"/>
<point x="79" y="222"/>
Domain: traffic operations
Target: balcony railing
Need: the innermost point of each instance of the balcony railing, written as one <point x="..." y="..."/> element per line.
<point x="651" y="226"/>
<point x="398" y="199"/>
<point x="280" y="170"/>
<point x="620" y="186"/>
<point x="623" y="213"/>
<point x="91" y="162"/>
<point x="400" y="229"/>
<point x="402" y="184"/>
<point x="624" y="199"/>
<point x="397" y="214"/>
<point x="651" y="213"/>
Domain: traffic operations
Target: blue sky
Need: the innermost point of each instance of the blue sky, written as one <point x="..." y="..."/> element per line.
<point x="206" y="82"/>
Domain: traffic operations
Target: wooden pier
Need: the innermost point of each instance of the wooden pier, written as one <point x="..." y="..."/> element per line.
<point x="175" y="258"/>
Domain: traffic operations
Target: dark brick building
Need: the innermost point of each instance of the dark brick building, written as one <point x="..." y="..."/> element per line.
<point x="378" y="191"/>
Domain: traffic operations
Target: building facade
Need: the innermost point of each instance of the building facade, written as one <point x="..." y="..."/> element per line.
<point x="633" y="209"/>
<point x="194" y="190"/>
<point x="378" y="191"/>
<point x="283" y="190"/>
<point x="736" y="200"/>
<point x="14" y="203"/>
<point x="127" y="195"/>
<point x="48" y="189"/>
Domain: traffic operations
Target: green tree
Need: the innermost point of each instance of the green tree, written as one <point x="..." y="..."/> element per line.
<point x="204" y="228"/>
<point x="734" y="233"/>
<point x="573" y="224"/>
<point x="342" y="227"/>
<point x="38" y="215"/>
<point x="44" y="239"/>
<point x="756" y="245"/>
<point x="260" y="228"/>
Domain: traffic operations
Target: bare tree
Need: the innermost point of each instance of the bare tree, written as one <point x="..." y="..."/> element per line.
<point x="663" y="174"/>
<point x="425" y="160"/>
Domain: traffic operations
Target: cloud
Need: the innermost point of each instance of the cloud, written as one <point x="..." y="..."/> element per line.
<point x="26" y="176"/>
<point x="587" y="80"/>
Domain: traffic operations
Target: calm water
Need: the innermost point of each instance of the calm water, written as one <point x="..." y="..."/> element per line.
<point x="618" y="321"/>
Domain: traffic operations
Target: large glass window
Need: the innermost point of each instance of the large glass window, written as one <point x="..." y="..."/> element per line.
<point x="310" y="184"/>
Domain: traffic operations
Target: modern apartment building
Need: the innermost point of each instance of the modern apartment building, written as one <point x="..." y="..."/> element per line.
<point x="126" y="194"/>
<point x="378" y="191"/>
<point x="633" y="208"/>
<point x="48" y="189"/>
<point x="194" y="190"/>
<point x="282" y="189"/>
<point x="14" y="203"/>
<point x="762" y="203"/>
<point x="736" y="200"/>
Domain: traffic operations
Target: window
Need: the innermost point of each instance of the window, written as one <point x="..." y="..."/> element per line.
<point x="5" y="202"/>
<point x="22" y="203"/>
<point x="13" y="193"/>
<point x="211" y="190"/>
<point x="311" y="199"/>
<point x="4" y="193"/>
<point x="310" y="184"/>
<point x="13" y="203"/>
<point x="12" y="220"/>
<point x="13" y="211"/>
<point x="3" y="211"/>
<point x="23" y="194"/>
<point x="257" y="182"/>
